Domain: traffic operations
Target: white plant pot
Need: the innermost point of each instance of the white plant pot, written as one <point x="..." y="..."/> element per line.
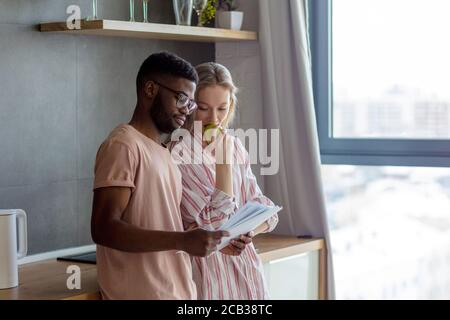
<point x="230" y="19"/>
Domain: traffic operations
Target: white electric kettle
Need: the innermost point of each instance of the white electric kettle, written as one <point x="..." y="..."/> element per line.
<point x="9" y="253"/>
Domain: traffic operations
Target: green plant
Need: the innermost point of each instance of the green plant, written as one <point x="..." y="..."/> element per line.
<point x="227" y="5"/>
<point x="209" y="13"/>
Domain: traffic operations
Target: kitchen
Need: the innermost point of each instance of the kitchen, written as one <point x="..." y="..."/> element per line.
<point x="64" y="92"/>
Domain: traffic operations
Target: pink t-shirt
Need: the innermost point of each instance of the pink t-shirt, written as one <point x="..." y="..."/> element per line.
<point x="130" y="159"/>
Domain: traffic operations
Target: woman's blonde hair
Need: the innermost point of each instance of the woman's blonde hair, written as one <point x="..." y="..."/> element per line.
<point x="215" y="74"/>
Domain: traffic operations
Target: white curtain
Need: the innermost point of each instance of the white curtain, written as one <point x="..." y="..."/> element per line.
<point x="289" y="106"/>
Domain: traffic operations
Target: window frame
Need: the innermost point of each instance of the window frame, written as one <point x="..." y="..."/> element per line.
<point x="351" y="151"/>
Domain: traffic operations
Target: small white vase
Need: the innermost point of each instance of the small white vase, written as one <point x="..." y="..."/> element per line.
<point x="230" y="19"/>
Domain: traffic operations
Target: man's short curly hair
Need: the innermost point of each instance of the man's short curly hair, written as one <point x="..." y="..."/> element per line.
<point x="165" y="63"/>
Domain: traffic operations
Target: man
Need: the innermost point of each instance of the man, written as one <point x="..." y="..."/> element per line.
<point x="142" y="248"/>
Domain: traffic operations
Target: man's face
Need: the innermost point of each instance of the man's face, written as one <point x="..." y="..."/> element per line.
<point x="164" y="111"/>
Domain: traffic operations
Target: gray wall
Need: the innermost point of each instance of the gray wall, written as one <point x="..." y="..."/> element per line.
<point x="60" y="96"/>
<point x="243" y="59"/>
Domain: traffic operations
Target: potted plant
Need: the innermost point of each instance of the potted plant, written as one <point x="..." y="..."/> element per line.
<point x="227" y="15"/>
<point x="209" y="13"/>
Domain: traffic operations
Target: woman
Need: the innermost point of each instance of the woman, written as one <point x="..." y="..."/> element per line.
<point x="213" y="191"/>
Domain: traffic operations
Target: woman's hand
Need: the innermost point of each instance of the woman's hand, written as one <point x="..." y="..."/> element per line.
<point x="224" y="167"/>
<point x="211" y="133"/>
<point x="220" y="144"/>
<point x="237" y="246"/>
<point x="262" y="228"/>
<point x="224" y="149"/>
<point x="192" y="226"/>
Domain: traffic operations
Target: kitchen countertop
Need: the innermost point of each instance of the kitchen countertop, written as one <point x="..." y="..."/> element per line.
<point x="46" y="280"/>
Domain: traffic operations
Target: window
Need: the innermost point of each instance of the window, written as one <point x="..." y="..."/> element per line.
<point x="380" y="70"/>
<point x="389" y="231"/>
<point x="383" y="66"/>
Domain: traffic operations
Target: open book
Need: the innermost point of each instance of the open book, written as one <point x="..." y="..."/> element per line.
<point x="246" y="219"/>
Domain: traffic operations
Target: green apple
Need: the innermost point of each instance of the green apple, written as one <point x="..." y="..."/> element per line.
<point x="210" y="131"/>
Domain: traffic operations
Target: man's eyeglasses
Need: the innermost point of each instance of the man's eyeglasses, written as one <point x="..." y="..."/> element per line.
<point x="183" y="100"/>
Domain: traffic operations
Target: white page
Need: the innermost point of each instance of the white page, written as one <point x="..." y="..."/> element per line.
<point x="241" y="214"/>
<point x="249" y="217"/>
<point x="252" y="220"/>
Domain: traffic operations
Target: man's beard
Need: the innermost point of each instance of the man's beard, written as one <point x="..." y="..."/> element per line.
<point x="161" y="118"/>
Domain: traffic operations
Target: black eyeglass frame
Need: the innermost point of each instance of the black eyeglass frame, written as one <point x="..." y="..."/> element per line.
<point x="191" y="105"/>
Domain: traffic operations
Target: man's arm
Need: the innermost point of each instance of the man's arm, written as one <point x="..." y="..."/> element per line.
<point x="109" y="230"/>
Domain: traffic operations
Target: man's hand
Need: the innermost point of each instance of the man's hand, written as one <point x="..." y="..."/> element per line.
<point x="201" y="243"/>
<point x="237" y="246"/>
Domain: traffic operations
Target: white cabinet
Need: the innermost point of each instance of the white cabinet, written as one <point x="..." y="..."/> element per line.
<point x="295" y="269"/>
<point x="294" y="278"/>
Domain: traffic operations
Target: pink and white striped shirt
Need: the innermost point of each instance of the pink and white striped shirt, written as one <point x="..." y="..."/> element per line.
<point x="220" y="276"/>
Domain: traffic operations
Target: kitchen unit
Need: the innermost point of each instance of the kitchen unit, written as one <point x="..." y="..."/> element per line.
<point x="304" y="258"/>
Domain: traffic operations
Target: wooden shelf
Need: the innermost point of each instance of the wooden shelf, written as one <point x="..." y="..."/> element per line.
<point x="151" y="31"/>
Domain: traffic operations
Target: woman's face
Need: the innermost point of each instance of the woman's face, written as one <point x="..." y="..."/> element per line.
<point x="213" y="105"/>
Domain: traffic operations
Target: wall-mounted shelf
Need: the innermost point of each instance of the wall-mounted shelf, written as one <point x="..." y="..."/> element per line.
<point x="150" y="31"/>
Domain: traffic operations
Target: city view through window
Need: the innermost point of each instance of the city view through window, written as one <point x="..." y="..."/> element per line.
<point x="390" y="226"/>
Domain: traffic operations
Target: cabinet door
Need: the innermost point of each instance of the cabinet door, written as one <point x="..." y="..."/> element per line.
<point x="294" y="278"/>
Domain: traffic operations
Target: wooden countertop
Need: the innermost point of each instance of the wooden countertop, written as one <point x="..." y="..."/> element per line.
<point x="273" y="247"/>
<point x="46" y="280"/>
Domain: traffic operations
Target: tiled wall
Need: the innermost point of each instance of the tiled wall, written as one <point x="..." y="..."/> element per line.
<point x="60" y="95"/>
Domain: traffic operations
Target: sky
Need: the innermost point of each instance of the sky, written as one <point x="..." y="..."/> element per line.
<point x="380" y="43"/>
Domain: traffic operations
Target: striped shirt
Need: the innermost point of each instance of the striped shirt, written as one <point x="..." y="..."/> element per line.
<point x="220" y="276"/>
